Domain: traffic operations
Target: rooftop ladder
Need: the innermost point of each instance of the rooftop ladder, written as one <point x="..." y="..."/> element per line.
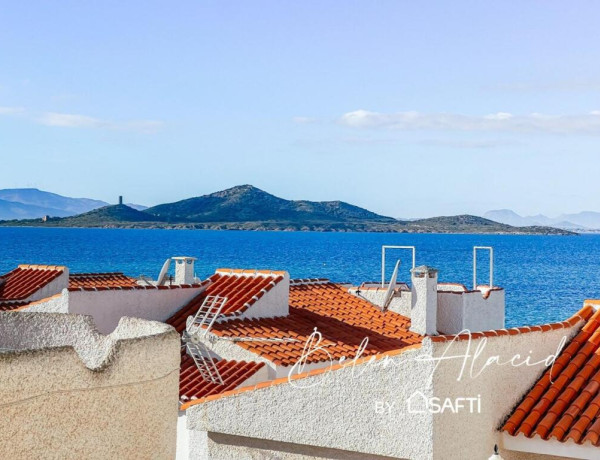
<point x="206" y="315"/>
<point x="205" y="363"/>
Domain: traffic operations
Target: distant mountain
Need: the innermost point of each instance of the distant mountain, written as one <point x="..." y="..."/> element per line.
<point x="246" y="203"/>
<point x="506" y="216"/>
<point x="31" y="203"/>
<point x="50" y="201"/>
<point x="586" y="220"/>
<point x="249" y="208"/>
<point x="15" y="210"/>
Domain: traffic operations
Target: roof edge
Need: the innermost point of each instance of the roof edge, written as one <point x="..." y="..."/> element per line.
<point x="304" y="375"/>
<point x="582" y="315"/>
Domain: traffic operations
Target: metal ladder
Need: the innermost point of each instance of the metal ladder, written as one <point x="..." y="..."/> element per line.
<point x="206" y="314"/>
<point x="205" y="363"/>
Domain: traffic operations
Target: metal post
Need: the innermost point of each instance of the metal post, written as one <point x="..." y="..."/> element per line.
<point x="491" y="267"/>
<point x="382" y="266"/>
<point x="491" y="249"/>
<point x="474" y="267"/>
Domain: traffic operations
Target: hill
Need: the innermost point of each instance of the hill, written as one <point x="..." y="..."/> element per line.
<point x="249" y="208"/>
<point x="474" y="224"/>
<point x="246" y="203"/>
<point x="117" y="215"/>
<point x="107" y="215"/>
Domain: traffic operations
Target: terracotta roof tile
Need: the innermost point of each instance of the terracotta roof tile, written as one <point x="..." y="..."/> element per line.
<point x="241" y="287"/>
<point x="12" y="305"/>
<point x="98" y="280"/>
<point x="343" y="319"/>
<point x="566" y="404"/>
<point x="193" y="386"/>
<point x="25" y="280"/>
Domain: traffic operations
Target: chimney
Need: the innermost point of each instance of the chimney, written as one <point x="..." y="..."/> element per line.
<point x="120" y="199"/>
<point x="423" y="316"/>
<point x="184" y="270"/>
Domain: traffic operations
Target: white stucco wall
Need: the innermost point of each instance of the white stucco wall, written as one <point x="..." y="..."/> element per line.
<point x="274" y="302"/>
<point x="108" y="306"/>
<point x="226" y="447"/>
<point x="183" y="437"/>
<point x="58" y="303"/>
<point x="338" y="412"/>
<point x="471" y="310"/>
<point x="69" y="392"/>
<point x="466" y="435"/>
<point x="523" y="448"/>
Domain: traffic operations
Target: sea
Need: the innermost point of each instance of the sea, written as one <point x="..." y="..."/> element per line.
<point x="546" y="278"/>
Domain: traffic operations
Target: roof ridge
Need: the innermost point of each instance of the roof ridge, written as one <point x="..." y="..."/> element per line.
<point x="249" y="272"/>
<point x="42" y="267"/>
<point x="136" y="287"/>
<point x="303" y="281"/>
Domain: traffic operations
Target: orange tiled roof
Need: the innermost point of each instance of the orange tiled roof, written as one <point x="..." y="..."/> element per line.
<point x="343" y="319"/>
<point x="88" y="280"/>
<point x="193" y="386"/>
<point x="25" y="280"/>
<point x="12" y="305"/>
<point x="565" y="403"/>
<point x="241" y="287"/>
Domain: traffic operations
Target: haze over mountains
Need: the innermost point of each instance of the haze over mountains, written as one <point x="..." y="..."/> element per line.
<point x="585" y="220"/>
<point x="245" y="207"/>
<point x="32" y="203"/>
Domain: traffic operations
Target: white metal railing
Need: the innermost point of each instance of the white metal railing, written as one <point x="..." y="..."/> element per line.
<point x="383" y="249"/>
<point x="488" y="248"/>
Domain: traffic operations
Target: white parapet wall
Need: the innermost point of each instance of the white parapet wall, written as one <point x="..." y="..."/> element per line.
<point x="274" y="302"/>
<point x="109" y="305"/>
<point x="69" y="392"/>
<point x="58" y="303"/>
<point x="478" y="310"/>
<point x="334" y="414"/>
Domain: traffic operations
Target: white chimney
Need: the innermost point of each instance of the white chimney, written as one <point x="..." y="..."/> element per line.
<point x="184" y="270"/>
<point x="423" y="316"/>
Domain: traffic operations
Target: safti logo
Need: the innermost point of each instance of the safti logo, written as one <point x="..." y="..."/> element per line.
<point x="418" y="403"/>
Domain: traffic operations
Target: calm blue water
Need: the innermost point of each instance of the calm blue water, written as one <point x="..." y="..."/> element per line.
<point x="546" y="277"/>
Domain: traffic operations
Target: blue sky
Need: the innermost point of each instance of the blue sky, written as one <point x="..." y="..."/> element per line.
<point x="406" y="108"/>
